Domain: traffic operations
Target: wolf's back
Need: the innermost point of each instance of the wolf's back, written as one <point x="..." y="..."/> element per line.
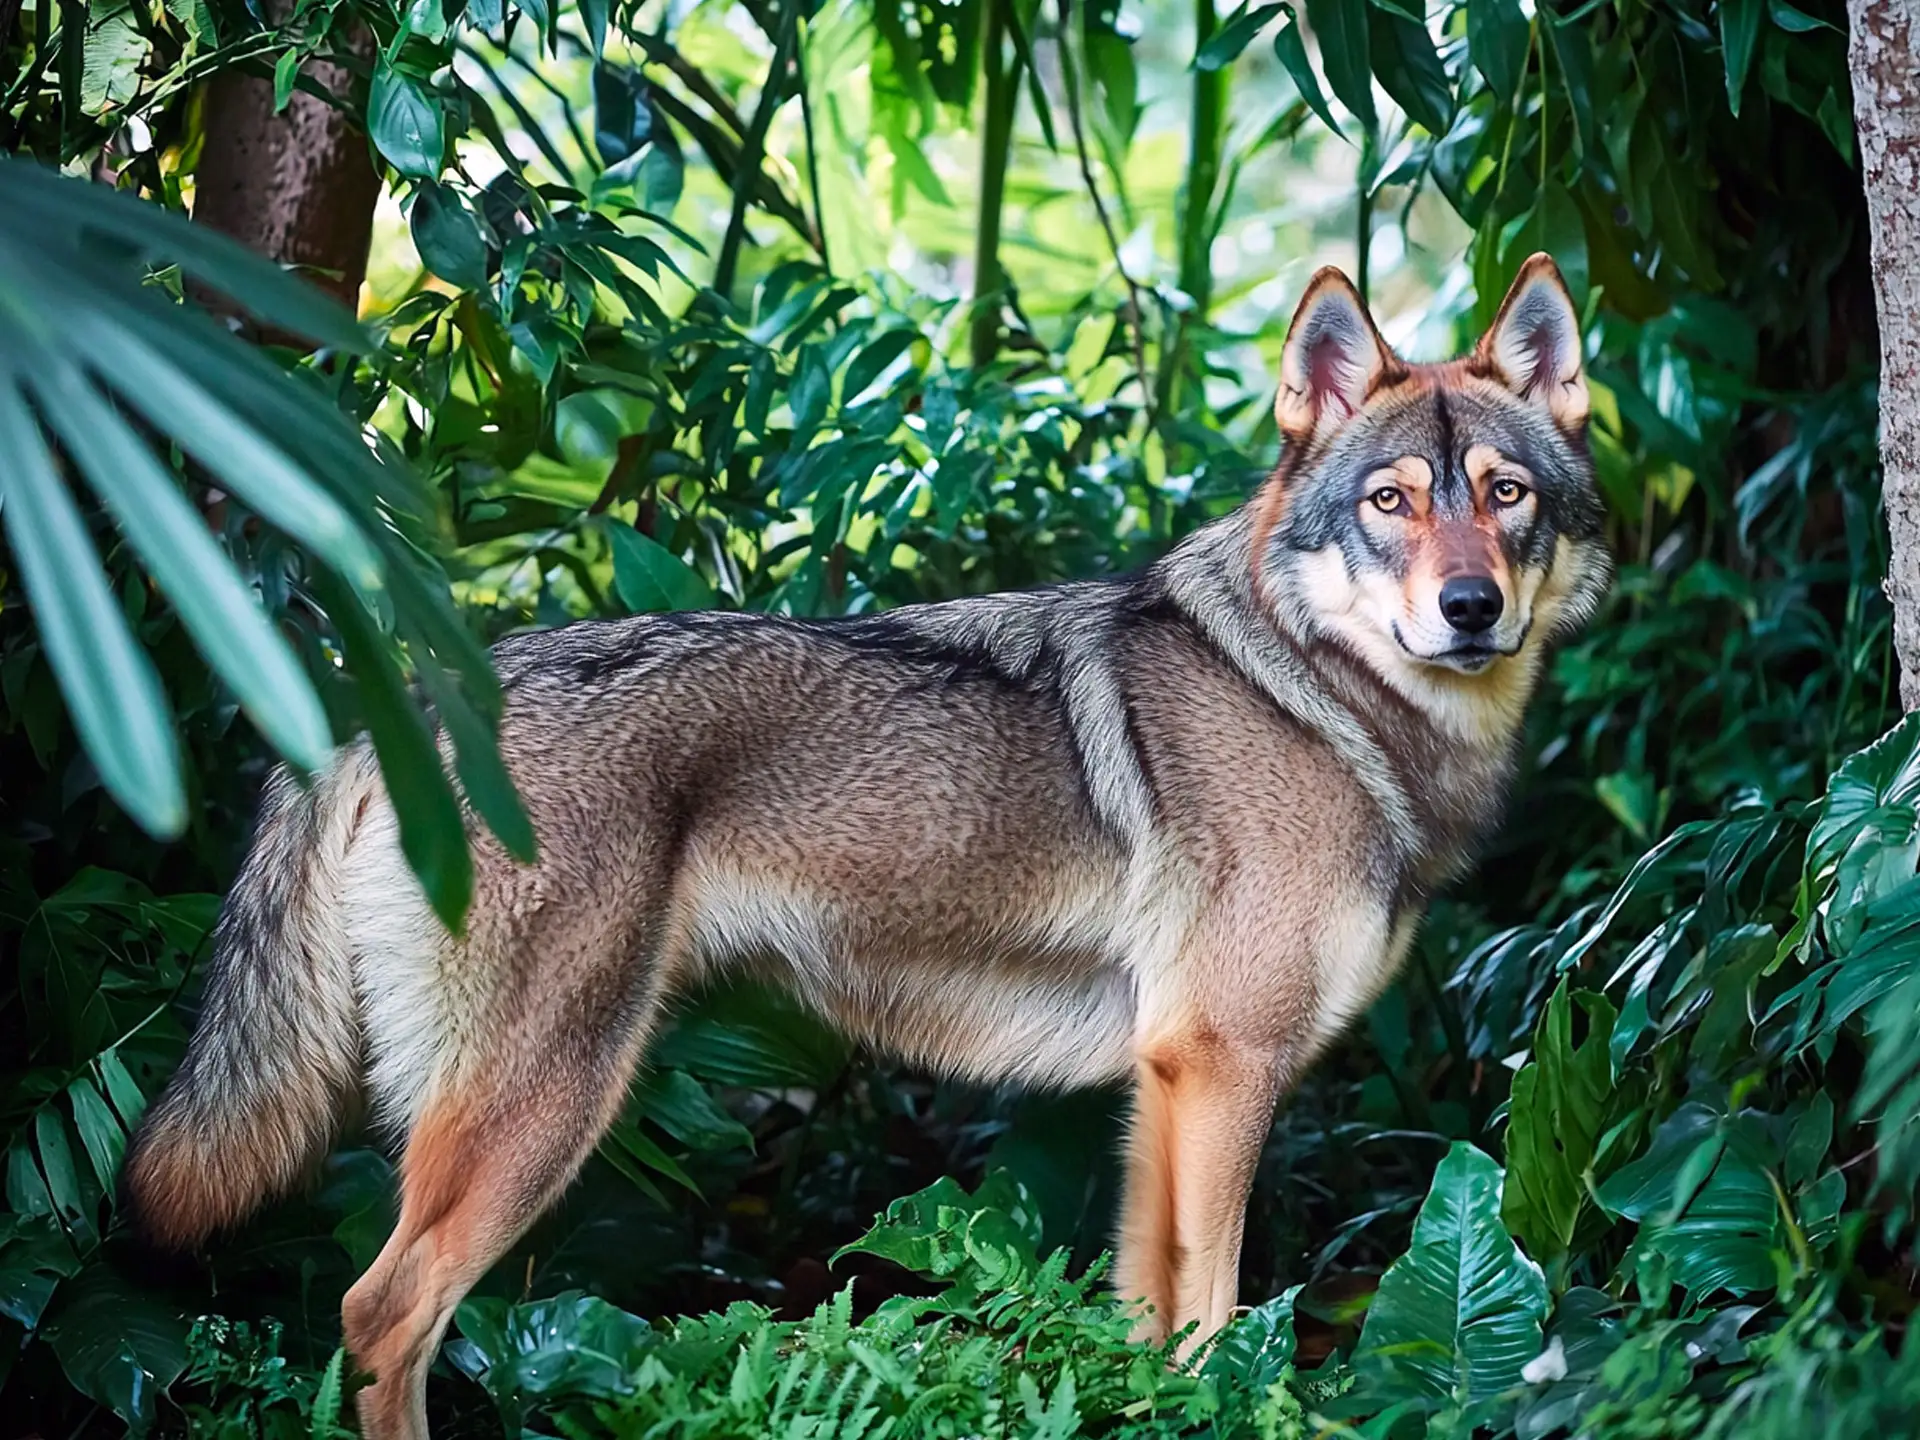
<point x="275" y="1056"/>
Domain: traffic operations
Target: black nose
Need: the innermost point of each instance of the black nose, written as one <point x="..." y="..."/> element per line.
<point x="1471" y="603"/>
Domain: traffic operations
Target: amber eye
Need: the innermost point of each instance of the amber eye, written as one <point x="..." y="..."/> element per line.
<point x="1508" y="492"/>
<point x="1388" y="501"/>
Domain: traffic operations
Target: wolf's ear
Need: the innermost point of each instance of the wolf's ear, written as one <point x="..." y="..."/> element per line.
<point x="1333" y="358"/>
<point x="1533" y="347"/>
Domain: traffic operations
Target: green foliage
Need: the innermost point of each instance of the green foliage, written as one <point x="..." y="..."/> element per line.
<point x="1009" y="1345"/>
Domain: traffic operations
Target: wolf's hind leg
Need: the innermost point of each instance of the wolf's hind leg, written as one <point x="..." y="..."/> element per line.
<point x="494" y="1145"/>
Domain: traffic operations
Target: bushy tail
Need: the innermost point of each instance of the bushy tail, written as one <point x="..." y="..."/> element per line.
<point x="275" y="1058"/>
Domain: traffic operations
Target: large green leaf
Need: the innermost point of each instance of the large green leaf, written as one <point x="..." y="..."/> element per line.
<point x="57" y="218"/>
<point x="1740" y="22"/>
<point x="448" y="236"/>
<point x="1554" y="1122"/>
<point x="1497" y="39"/>
<point x="176" y="546"/>
<point x="650" y="577"/>
<point x="225" y="440"/>
<point x="753" y="1037"/>
<point x="110" y="74"/>
<point x="572" y="1344"/>
<point x="682" y="1106"/>
<point x="942" y="1231"/>
<point x="109" y="684"/>
<point x="1292" y="53"/>
<point x="119" y="1343"/>
<point x="1345" y="53"/>
<point x="1223" y="47"/>
<point x="1459" y="1315"/>
<point x="432" y="831"/>
<point x="1704" y="1200"/>
<point x="1409" y="69"/>
<point x="1886" y="773"/>
<point x="405" y="123"/>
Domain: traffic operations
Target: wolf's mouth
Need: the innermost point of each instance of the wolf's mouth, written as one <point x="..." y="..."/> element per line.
<point x="1469" y="659"/>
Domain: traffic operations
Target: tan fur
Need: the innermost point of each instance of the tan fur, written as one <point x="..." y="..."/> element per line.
<point x="1175" y="830"/>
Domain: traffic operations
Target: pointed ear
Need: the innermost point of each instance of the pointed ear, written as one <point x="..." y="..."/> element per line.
<point x="1533" y="347"/>
<point x="1332" y="360"/>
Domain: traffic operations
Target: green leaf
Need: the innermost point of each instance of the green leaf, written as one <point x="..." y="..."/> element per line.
<point x="1255" y="1351"/>
<point x="636" y="1145"/>
<point x="100" y="1133"/>
<point x="405" y="122"/>
<point x="1796" y="21"/>
<point x="622" y="117"/>
<point x="110" y="73"/>
<point x="880" y="352"/>
<point x="109" y="684"/>
<point x="1555" y="1119"/>
<point x="63" y="1178"/>
<point x="1341" y="28"/>
<point x="35" y="1256"/>
<point x="810" y="394"/>
<point x="1704" y="1201"/>
<point x="1409" y="69"/>
<point x="1739" y="31"/>
<point x="754" y="1038"/>
<point x="432" y="831"/>
<point x="196" y="19"/>
<point x="327" y="1397"/>
<point x="1497" y="42"/>
<point x="1292" y="53"/>
<point x="990" y="1237"/>
<point x="172" y="539"/>
<point x="121" y="1089"/>
<point x="217" y="433"/>
<point x="286" y="70"/>
<point x="1886" y="773"/>
<point x="1458" y="1316"/>
<point x="1223" y="47"/>
<point x="650" y="577"/>
<point x="448" y="236"/>
<point x="476" y="754"/>
<point x="1554" y="224"/>
<point x="681" y="1106"/>
<point x="573" y="1344"/>
<point x="118" y="1343"/>
<point x="594" y="13"/>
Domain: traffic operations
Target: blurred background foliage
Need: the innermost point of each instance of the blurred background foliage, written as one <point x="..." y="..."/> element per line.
<point x="822" y="308"/>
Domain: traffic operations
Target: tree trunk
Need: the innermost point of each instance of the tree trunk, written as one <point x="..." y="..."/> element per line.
<point x="299" y="186"/>
<point x="1886" y="109"/>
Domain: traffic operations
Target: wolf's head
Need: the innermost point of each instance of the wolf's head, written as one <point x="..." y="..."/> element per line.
<point x="1439" y="520"/>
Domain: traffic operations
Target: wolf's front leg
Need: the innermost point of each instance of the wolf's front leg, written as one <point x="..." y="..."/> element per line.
<point x="1203" y="1102"/>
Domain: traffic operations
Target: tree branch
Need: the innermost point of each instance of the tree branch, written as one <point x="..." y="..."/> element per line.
<point x="754" y="149"/>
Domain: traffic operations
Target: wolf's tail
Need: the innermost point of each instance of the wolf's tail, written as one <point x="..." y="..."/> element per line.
<point x="275" y="1059"/>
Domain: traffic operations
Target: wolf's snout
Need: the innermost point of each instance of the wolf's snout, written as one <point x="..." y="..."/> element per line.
<point x="1471" y="603"/>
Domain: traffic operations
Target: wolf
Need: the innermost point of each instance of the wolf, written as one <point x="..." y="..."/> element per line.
<point x="1173" y="829"/>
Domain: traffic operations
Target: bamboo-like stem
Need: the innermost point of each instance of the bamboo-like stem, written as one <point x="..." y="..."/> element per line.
<point x="996" y="145"/>
<point x="1205" y="140"/>
<point x="802" y="84"/>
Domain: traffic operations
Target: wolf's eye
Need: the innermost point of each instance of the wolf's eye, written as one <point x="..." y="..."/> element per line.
<point x="1508" y="492"/>
<point x="1387" y="500"/>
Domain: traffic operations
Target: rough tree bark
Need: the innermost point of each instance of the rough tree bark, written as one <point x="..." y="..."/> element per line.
<point x="299" y="186"/>
<point x="1884" y="55"/>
